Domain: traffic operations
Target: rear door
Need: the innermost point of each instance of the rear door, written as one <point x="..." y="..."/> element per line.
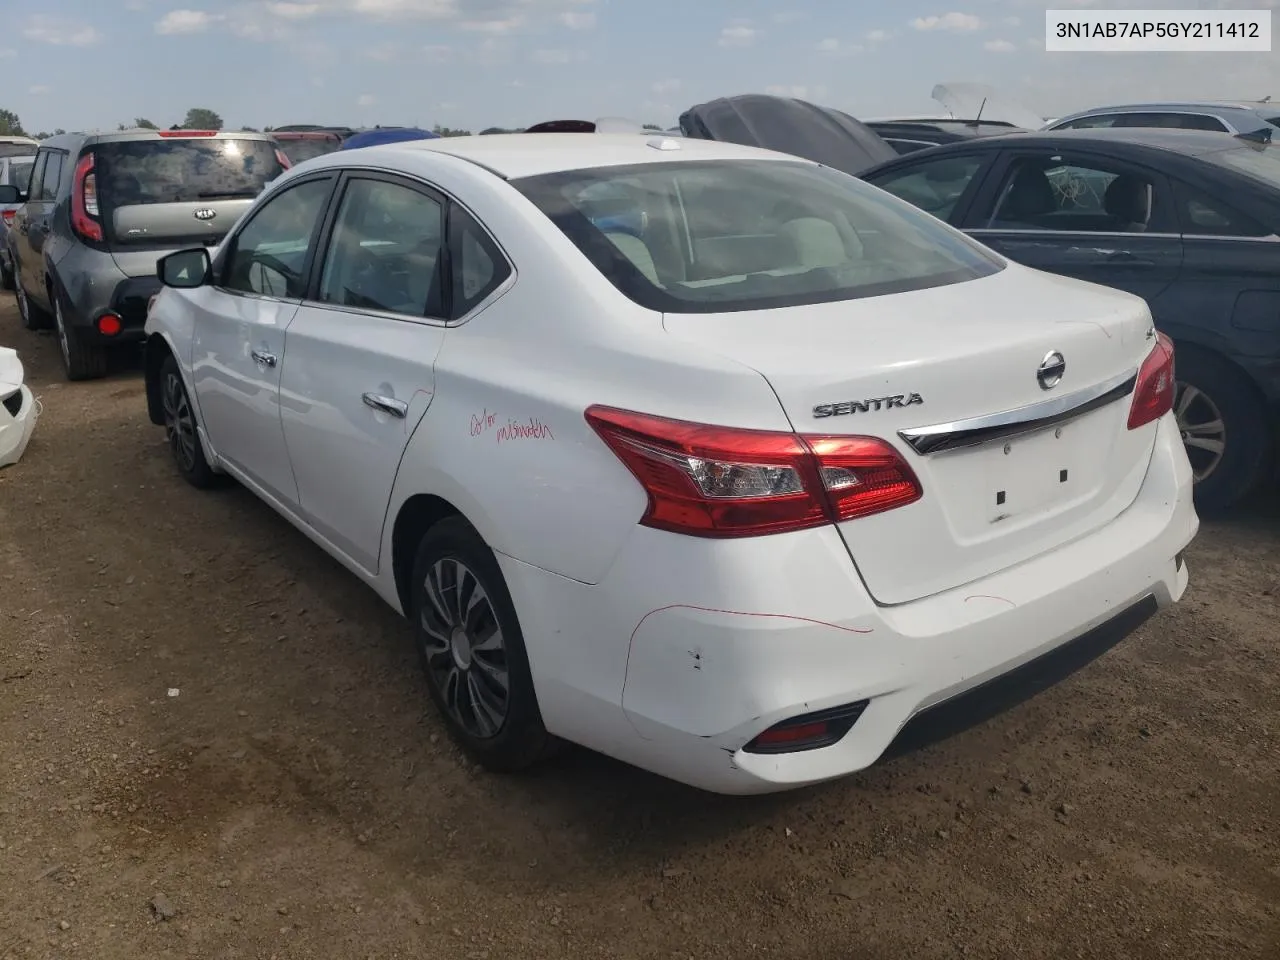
<point x="1082" y="215"/>
<point x="359" y="373"/>
<point x="37" y="218"/>
<point x="176" y="189"/>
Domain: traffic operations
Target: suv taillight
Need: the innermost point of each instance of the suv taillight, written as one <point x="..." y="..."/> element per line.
<point x="84" y="201"/>
<point x="709" y="481"/>
<point x="1153" y="393"/>
<point x="282" y="159"/>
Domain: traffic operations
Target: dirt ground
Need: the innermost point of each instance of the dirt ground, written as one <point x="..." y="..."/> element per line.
<point x="297" y="796"/>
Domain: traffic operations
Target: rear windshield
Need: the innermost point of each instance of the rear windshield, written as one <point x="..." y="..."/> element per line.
<point x="19" y="173"/>
<point x="131" y="172"/>
<point x="1260" y="162"/>
<point x="307" y="148"/>
<point x="9" y="149"/>
<point x="704" y="237"/>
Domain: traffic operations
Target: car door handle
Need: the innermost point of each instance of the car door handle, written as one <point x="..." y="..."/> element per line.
<point x="397" y="408"/>
<point x="268" y="359"/>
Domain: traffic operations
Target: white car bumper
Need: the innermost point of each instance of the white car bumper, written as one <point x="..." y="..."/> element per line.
<point x="689" y="648"/>
<point x="16" y="429"/>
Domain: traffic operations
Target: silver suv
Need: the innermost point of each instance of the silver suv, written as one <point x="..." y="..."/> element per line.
<point x="99" y="211"/>
<point x="1241" y="118"/>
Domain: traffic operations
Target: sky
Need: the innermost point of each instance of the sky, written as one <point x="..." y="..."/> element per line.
<point x="92" y="64"/>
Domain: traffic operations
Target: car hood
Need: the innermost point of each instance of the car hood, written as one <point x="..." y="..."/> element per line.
<point x="787" y="125"/>
<point x="968" y="101"/>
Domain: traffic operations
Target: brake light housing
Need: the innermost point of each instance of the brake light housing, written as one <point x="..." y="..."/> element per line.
<point x="84" y="201"/>
<point x="1156" y="385"/>
<point x="713" y="481"/>
<point x="8" y="216"/>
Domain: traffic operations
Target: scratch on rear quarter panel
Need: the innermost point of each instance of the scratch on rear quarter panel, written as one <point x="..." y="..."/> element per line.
<point x="983" y="596"/>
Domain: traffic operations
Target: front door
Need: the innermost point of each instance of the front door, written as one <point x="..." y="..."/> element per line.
<point x="361" y="355"/>
<point x="1083" y="216"/>
<point x="238" y="346"/>
<point x="33" y="220"/>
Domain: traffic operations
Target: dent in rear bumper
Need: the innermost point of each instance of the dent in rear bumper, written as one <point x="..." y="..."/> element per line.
<point x="703" y="681"/>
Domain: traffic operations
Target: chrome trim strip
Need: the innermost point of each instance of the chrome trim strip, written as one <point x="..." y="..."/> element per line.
<point x="984" y="231"/>
<point x="997" y="426"/>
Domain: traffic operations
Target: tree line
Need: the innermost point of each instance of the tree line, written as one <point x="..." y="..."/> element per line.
<point x="202" y="118"/>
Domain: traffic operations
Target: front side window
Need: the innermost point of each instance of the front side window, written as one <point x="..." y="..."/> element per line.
<point x="701" y="237"/>
<point x="269" y="256"/>
<point x="1050" y="193"/>
<point x="385" y="251"/>
<point x="37" y="175"/>
<point x="934" y="186"/>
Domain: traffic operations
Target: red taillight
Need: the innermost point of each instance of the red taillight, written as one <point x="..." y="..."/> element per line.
<point x="710" y="481"/>
<point x="187" y="133"/>
<point x="109" y="325"/>
<point x="810" y="731"/>
<point x="283" y="160"/>
<point x="1153" y="393"/>
<point x="8" y="216"/>
<point x="84" y="201"/>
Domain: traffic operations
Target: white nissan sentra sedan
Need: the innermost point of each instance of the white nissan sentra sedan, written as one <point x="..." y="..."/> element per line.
<point x="711" y="459"/>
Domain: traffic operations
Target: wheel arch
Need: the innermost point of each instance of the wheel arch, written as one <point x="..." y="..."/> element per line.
<point x="157" y="350"/>
<point x="418" y="514"/>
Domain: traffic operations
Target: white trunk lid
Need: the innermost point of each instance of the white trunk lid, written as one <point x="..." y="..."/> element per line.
<point x="888" y="366"/>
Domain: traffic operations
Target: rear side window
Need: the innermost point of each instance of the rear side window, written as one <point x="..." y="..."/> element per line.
<point x="299" y="149"/>
<point x="1207" y="216"/>
<point x="1173" y="121"/>
<point x="479" y="267"/>
<point x="183" y="170"/>
<point x="52" y="175"/>
<point x="17" y="149"/>
<point x="703" y="237"/>
<point x="19" y="173"/>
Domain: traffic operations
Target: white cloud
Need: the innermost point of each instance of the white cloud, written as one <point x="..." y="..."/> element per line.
<point x="366" y="100"/>
<point x="740" y="34"/>
<point x="60" y="31"/>
<point x="578" y="19"/>
<point x="958" y="22"/>
<point x="878" y="36"/>
<point x="500" y="26"/>
<point x="185" y="21"/>
<point x="998" y="46"/>
<point x="662" y="87"/>
<point x="38" y="91"/>
<point x="832" y="47"/>
<point x="552" y="57"/>
<point x="293" y="11"/>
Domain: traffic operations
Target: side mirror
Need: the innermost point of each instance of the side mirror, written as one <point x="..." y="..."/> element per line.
<point x="10" y="194"/>
<point x="185" y="269"/>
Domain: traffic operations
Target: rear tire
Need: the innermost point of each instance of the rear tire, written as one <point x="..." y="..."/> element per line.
<point x="81" y="358"/>
<point x="1224" y="426"/>
<point x="181" y="429"/>
<point x="472" y="651"/>
<point x="33" y="318"/>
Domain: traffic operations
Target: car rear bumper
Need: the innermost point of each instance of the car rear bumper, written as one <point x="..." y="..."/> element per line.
<point x="689" y="648"/>
<point x="18" y="415"/>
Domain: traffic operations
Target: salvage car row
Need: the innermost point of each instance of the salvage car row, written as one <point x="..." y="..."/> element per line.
<point x="713" y="459"/>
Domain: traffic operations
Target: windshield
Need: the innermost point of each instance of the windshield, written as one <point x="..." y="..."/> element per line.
<point x="1262" y="163"/>
<point x="11" y="149"/>
<point x="19" y="174"/>
<point x="307" y="148"/>
<point x="750" y="235"/>
<point x="182" y="170"/>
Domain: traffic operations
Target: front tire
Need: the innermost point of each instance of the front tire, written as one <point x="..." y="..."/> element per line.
<point x="180" y="428"/>
<point x="472" y="650"/>
<point x="82" y="359"/>
<point x="1224" y="428"/>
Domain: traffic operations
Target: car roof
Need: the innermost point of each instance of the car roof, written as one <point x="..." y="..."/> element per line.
<point x="516" y="155"/>
<point x="1186" y="142"/>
